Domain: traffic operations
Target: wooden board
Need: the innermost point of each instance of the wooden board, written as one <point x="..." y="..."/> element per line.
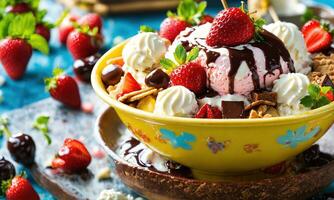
<point x="65" y="123"/>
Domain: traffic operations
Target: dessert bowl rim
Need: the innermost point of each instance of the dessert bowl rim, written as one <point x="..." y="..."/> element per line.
<point x="102" y="93"/>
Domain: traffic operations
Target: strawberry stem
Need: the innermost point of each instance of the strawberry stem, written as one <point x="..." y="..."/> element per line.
<point x="4" y="126"/>
<point x="224" y="2"/>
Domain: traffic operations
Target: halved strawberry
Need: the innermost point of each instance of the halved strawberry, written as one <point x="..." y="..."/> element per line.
<point x="130" y="85"/>
<point x="317" y="36"/>
<point x="210" y="112"/>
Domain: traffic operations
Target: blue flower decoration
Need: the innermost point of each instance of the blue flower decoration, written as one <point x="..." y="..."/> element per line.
<point x="178" y="141"/>
<point x="293" y="138"/>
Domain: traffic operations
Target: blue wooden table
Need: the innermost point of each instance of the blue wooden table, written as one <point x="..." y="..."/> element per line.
<point x="31" y="88"/>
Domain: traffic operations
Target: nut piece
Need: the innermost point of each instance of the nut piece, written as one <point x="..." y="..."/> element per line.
<point x="263" y="111"/>
<point x="258" y="103"/>
<point x="324" y="64"/>
<point x="138" y="95"/>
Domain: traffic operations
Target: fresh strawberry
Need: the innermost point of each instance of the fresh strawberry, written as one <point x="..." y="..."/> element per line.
<point x="92" y="20"/>
<point x="19" y="8"/>
<point x="64" y="89"/>
<point x="231" y="27"/>
<point x="171" y="27"/>
<point x="43" y="31"/>
<point x="317" y="36"/>
<point x="73" y="156"/>
<point x="210" y="112"/>
<point x="330" y="95"/>
<point x="19" y="188"/>
<point x="83" y="44"/>
<point x="66" y="27"/>
<point x="130" y="85"/>
<point x="190" y="75"/>
<point x="10" y="49"/>
<point x="206" y="19"/>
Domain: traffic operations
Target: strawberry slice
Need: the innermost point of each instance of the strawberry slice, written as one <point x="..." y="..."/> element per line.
<point x="210" y="112"/>
<point x="330" y="96"/>
<point x="130" y="85"/>
<point x="317" y="36"/>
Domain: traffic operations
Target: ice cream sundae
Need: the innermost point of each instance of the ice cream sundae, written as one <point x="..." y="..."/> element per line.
<point x="230" y="66"/>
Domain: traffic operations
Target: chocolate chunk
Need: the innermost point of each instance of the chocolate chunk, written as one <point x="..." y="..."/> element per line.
<point x="233" y="109"/>
<point x="266" y="96"/>
<point x="326" y="81"/>
<point x="157" y="79"/>
<point x="112" y="74"/>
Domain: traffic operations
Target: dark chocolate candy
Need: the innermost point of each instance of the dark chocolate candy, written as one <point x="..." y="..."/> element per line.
<point x="233" y="109"/>
<point x="266" y="96"/>
<point x="157" y="79"/>
<point x="112" y="74"/>
<point x="326" y="81"/>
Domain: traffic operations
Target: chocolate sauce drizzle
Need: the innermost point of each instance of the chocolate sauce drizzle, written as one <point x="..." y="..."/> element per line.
<point x="174" y="169"/>
<point x="272" y="47"/>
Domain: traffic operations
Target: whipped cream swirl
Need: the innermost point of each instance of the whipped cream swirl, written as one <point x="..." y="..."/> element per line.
<point x="176" y="101"/>
<point x="143" y="51"/>
<point x="294" y="42"/>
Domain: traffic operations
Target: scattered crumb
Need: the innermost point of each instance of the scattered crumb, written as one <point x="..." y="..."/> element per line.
<point x="117" y="40"/>
<point x="115" y="195"/>
<point x="98" y="153"/>
<point x="87" y="107"/>
<point x="2" y="80"/>
<point x="104" y="173"/>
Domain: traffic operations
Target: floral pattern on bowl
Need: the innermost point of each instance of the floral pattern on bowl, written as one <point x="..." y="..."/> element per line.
<point x="293" y="138"/>
<point x="178" y="141"/>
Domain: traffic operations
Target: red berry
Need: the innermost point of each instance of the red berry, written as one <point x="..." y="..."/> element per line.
<point x="43" y="31"/>
<point x="20" y="188"/>
<point x="171" y="27"/>
<point x="64" y="89"/>
<point x="73" y="156"/>
<point x="14" y="56"/>
<point x="92" y="20"/>
<point x="130" y="85"/>
<point x="210" y="112"/>
<point x="231" y="27"/>
<point x="190" y="75"/>
<point x="316" y="36"/>
<point x="330" y="96"/>
<point x="206" y="19"/>
<point x="82" y="45"/>
<point x="66" y="27"/>
<point x="19" y="8"/>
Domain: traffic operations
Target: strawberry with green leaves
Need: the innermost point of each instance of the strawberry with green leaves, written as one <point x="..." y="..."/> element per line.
<point x="84" y="42"/>
<point x="232" y="27"/>
<point x="66" y="26"/>
<point x="18" y="38"/>
<point x="189" y="12"/>
<point x="18" y="188"/>
<point x="186" y="72"/>
<point x="64" y="89"/>
<point x="318" y="96"/>
<point x="317" y="35"/>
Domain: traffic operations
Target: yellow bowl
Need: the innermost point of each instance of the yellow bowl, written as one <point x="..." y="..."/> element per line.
<point x="212" y="147"/>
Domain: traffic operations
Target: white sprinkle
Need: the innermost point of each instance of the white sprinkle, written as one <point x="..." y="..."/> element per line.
<point x="2" y="80"/>
<point x="117" y="40"/>
<point x="114" y="195"/>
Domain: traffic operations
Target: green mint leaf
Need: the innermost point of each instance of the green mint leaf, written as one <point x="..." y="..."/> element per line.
<point x="40" y="15"/>
<point x="62" y="17"/>
<point x="201" y="7"/>
<point x="314" y="91"/>
<point x="186" y="9"/>
<point x="193" y="54"/>
<point x="308" y="15"/>
<point x="39" y="42"/>
<point x="307" y="101"/>
<point x="4" y="25"/>
<point x="41" y="124"/>
<point x="180" y="54"/>
<point x="322" y="102"/>
<point x="144" y="28"/>
<point x="167" y="64"/>
<point x="326" y="89"/>
<point x="22" y="26"/>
